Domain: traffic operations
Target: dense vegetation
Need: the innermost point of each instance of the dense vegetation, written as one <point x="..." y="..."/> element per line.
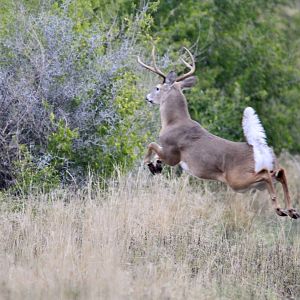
<point x="71" y="93"/>
<point x="72" y="111"/>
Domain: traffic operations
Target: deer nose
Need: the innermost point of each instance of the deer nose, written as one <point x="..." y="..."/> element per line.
<point x="149" y="99"/>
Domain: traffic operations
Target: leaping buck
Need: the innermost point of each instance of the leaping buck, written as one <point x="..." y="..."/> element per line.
<point x="242" y="166"/>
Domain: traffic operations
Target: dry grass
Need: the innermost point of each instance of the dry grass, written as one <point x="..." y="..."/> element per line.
<point x="149" y="238"/>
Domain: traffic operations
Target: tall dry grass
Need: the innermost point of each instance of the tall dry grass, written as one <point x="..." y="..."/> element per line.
<point x="149" y="237"/>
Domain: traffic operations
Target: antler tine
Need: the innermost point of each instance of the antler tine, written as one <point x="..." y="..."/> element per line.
<point x="145" y="66"/>
<point x="158" y="71"/>
<point x="191" y="67"/>
<point x="152" y="69"/>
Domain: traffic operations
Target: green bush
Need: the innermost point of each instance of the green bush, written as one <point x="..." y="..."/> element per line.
<point x="246" y="56"/>
<point x="68" y="92"/>
<point x="30" y="175"/>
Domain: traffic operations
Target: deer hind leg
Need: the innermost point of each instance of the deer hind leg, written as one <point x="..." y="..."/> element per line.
<point x="158" y="150"/>
<point x="280" y="176"/>
<point x="265" y="176"/>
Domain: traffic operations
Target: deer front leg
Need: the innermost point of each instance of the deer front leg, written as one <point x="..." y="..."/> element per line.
<point x="158" y="150"/>
<point x="281" y="177"/>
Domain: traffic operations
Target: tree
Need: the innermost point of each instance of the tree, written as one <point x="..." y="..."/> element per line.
<point x="245" y="58"/>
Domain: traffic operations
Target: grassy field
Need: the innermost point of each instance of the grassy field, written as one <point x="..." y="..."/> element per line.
<point x="147" y="237"/>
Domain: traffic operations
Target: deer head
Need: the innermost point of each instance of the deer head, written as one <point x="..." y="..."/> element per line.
<point x="171" y="82"/>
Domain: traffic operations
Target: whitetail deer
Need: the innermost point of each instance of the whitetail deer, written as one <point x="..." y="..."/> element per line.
<point x="241" y="165"/>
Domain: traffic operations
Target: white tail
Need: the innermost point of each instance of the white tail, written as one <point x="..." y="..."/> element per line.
<point x="185" y="142"/>
<point x="256" y="137"/>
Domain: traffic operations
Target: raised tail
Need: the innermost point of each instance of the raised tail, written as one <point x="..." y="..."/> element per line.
<point x="256" y="136"/>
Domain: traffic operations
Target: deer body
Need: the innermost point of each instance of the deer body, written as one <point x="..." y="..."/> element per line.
<point x="203" y="154"/>
<point x="183" y="141"/>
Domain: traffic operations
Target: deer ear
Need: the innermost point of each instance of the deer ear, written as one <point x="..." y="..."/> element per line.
<point x="171" y="77"/>
<point x="188" y="82"/>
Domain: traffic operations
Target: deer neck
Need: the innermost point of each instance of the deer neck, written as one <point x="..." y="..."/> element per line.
<point x="174" y="110"/>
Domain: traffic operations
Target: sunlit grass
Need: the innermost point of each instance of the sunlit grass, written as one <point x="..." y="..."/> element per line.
<point x="145" y="237"/>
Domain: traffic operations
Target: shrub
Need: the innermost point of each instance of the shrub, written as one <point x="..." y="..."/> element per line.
<point x="69" y="95"/>
<point x="248" y="54"/>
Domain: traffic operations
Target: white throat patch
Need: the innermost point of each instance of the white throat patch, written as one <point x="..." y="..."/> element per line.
<point x="184" y="166"/>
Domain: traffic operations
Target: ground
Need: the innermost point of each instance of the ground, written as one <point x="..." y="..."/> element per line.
<point x="149" y="237"/>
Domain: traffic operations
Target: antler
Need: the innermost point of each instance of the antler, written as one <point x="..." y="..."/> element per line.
<point x="191" y="67"/>
<point x="154" y="69"/>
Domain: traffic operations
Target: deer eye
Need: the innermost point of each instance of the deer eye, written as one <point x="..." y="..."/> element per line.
<point x="157" y="89"/>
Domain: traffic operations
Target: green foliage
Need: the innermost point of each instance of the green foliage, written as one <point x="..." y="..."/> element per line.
<point x="7" y="16"/>
<point x="90" y="105"/>
<point x="75" y="71"/>
<point x="30" y="174"/>
<point x="121" y="145"/>
<point x="113" y="16"/>
<point x="60" y="144"/>
<point x="245" y="58"/>
<point x="128" y="142"/>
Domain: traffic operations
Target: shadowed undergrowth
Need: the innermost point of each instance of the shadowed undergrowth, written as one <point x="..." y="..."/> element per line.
<point x="147" y="237"/>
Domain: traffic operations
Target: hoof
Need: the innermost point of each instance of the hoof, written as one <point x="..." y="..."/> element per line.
<point x="280" y="212"/>
<point x="152" y="168"/>
<point x="155" y="169"/>
<point x="293" y="213"/>
<point x="158" y="166"/>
